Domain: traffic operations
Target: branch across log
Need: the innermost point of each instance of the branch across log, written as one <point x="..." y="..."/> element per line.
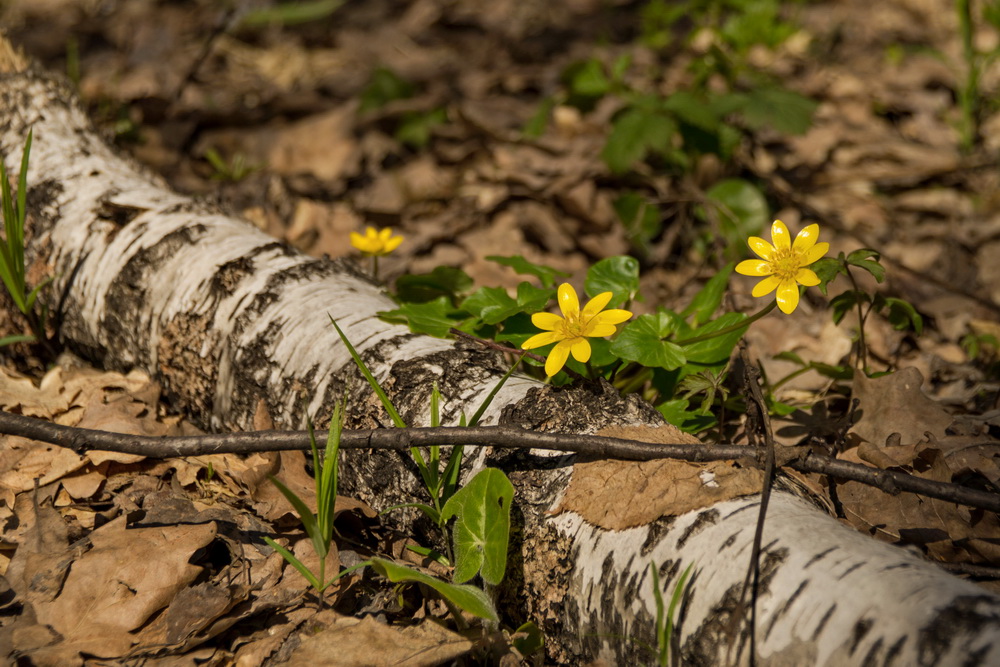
<point x="83" y="440"/>
<point x="235" y="326"/>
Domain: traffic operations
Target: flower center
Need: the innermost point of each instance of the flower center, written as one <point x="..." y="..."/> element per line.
<point x="786" y="264"/>
<point x="573" y="327"/>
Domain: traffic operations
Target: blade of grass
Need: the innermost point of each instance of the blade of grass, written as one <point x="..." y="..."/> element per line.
<point x="296" y="563"/>
<point x="489" y="398"/>
<point x="376" y="387"/>
<point x="307" y="517"/>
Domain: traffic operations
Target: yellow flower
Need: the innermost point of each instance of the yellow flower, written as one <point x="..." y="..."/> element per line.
<point x="572" y="329"/>
<point x="373" y="243"/>
<point x="784" y="263"/>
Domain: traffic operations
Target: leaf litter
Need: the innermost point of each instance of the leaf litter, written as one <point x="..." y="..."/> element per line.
<point x="445" y="160"/>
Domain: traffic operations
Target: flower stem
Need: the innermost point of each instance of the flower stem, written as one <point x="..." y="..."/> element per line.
<point x="734" y="327"/>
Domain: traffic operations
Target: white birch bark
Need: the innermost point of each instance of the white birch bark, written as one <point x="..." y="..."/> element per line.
<point x="231" y="322"/>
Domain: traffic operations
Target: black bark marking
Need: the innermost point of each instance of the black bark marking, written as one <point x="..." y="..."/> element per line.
<point x="852" y="568"/>
<point x="786" y="605"/>
<point x="872" y="656"/>
<point x="967" y="615"/>
<point x="893" y="653"/>
<point x="823" y="621"/>
<point x="656" y="530"/>
<point x="116" y="213"/>
<point x="820" y="556"/>
<point x="704" y="519"/>
<point x="730" y="541"/>
<point x="126" y="301"/>
<point x="861" y="628"/>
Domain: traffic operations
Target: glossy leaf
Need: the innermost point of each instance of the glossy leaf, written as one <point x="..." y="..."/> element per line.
<point x="468" y="598"/>
<point x="644" y="341"/>
<point x="482" y="525"/>
<point x="618" y="275"/>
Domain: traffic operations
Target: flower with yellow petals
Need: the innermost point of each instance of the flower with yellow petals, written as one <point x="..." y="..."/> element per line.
<point x="373" y="243"/>
<point x="570" y="332"/>
<point x="784" y="263"/>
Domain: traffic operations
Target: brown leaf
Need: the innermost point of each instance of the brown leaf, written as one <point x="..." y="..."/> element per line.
<point x="894" y="403"/>
<point x="616" y="495"/>
<point x="365" y="642"/>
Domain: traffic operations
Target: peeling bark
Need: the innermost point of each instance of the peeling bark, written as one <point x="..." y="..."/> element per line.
<point x="228" y="319"/>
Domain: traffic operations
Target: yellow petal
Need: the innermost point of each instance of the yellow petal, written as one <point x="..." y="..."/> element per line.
<point x="806" y="238"/>
<point x="596" y="305"/>
<point x="371" y="234"/>
<point x="357" y="240"/>
<point x="787" y="297"/>
<point x="807" y="277"/>
<point x="384" y="234"/>
<point x="601" y="330"/>
<point x="581" y="350"/>
<point x="557" y="358"/>
<point x="816" y="252"/>
<point x="766" y="286"/>
<point x="546" y="321"/>
<point x="779" y="236"/>
<point x="754" y="267"/>
<point x="568" y="303"/>
<point x="761" y="248"/>
<point x="541" y="340"/>
<point x="392" y="244"/>
<point x="613" y="316"/>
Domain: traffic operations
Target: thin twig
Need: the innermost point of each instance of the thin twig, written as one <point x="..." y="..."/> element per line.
<point x="83" y="440"/>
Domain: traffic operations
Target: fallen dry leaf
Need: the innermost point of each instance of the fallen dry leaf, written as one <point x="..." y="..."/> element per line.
<point x="616" y="495"/>
<point x="365" y="641"/>
<point x="894" y="403"/>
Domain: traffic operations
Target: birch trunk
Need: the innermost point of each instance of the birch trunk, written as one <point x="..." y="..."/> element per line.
<point x="235" y="325"/>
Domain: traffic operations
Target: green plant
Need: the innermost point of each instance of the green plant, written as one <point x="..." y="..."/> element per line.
<point x="665" y="617"/>
<point x="13" y="205"/>
<point x="481" y="509"/>
<point x="235" y="170"/>
<point x="318" y="526"/>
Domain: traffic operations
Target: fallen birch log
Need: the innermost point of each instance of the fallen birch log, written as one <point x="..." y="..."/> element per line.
<point x="236" y="328"/>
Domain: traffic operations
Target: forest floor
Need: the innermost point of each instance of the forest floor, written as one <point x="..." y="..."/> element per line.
<point x="478" y="129"/>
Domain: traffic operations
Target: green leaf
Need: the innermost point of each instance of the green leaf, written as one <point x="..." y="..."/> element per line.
<point x="867" y="259"/>
<point x="516" y="330"/>
<point x="827" y="269"/>
<point x="372" y="382"/>
<point x="844" y="302"/>
<point x="493" y="305"/>
<point x="715" y="350"/>
<point x="545" y="274"/>
<point x="709" y="298"/>
<point x="902" y="314"/>
<point x="434" y="318"/>
<point x="528" y="639"/>
<point x="384" y="87"/>
<point x="490" y="304"/>
<point x="296" y="563"/>
<point x="442" y="281"/>
<point x="644" y="341"/>
<point x="587" y="79"/>
<point x="741" y="207"/>
<point x="306" y="515"/>
<point x="482" y="526"/>
<point x="635" y="133"/>
<point x="535" y="127"/>
<point x="690" y="421"/>
<point x="693" y="110"/>
<point x="640" y="217"/>
<point x="415" y="127"/>
<point x="618" y="275"/>
<point x="469" y="598"/>
<point x="783" y="110"/>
